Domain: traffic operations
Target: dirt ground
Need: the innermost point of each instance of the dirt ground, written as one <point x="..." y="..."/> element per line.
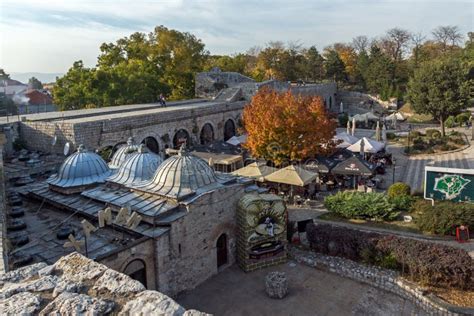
<point x="311" y="292"/>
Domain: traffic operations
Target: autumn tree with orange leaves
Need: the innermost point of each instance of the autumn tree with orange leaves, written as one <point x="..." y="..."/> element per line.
<point x="283" y="126"/>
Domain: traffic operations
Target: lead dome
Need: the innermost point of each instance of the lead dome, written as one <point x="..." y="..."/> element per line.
<point x="82" y="168"/>
<point x="138" y="167"/>
<point x="181" y="176"/>
<point x="121" y="155"/>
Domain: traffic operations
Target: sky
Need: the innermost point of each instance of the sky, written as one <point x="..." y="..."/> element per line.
<point x="49" y="35"/>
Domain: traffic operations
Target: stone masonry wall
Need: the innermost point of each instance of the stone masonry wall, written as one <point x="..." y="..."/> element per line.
<point x="3" y="219"/>
<point x="386" y="280"/>
<point x="76" y="285"/>
<point x="108" y="132"/>
<point x="193" y="254"/>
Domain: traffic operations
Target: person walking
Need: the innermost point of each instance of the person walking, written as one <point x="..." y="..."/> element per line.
<point x="162" y="100"/>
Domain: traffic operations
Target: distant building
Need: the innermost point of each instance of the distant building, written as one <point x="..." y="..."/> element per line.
<point x="11" y="87"/>
<point x="38" y="97"/>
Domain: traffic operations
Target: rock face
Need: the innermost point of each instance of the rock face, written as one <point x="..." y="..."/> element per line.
<point x="276" y="285"/>
<point x="76" y="285"/>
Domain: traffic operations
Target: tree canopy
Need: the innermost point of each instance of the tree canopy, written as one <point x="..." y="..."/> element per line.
<point x="284" y="127"/>
<point x="440" y="88"/>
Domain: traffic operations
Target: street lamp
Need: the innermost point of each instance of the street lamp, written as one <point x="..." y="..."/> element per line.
<point x="408" y="138"/>
<point x="393" y="170"/>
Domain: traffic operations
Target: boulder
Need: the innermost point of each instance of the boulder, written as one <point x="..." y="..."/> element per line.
<point x="77" y="304"/>
<point x="276" y="285"/>
<point x="47" y="283"/>
<point x="21" y="304"/>
<point x="152" y="303"/>
<point x="115" y="284"/>
<point x="76" y="267"/>
<point x="68" y="286"/>
<point x="23" y="273"/>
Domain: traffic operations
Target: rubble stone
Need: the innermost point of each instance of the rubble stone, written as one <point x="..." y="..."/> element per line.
<point x="77" y="304"/>
<point x="276" y="285"/>
<point x="152" y="303"/>
<point x="21" y="304"/>
<point x="23" y="273"/>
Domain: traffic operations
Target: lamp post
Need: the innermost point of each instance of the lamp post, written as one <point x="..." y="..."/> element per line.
<point x="408" y="139"/>
<point x="393" y="170"/>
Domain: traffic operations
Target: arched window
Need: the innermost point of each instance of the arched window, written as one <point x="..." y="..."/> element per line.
<point x="136" y="269"/>
<point x="221" y="248"/>
<point x="181" y="136"/>
<point x="207" y="134"/>
<point x="152" y="144"/>
<point x="229" y="129"/>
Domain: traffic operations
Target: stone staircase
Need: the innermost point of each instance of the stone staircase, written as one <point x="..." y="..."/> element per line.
<point x="229" y="94"/>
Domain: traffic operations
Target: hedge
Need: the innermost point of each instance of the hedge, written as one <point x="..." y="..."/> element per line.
<point x="443" y="217"/>
<point x="426" y="262"/>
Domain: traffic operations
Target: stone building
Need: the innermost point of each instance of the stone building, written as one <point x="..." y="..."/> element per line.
<point x="171" y="229"/>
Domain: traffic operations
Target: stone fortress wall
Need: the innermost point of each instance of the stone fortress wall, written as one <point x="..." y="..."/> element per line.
<point x="3" y="218"/>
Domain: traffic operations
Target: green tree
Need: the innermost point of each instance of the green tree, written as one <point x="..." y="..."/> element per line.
<point x="313" y="65"/>
<point x="34" y="83"/>
<point x="440" y="88"/>
<point x="378" y="74"/>
<point x="335" y="68"/>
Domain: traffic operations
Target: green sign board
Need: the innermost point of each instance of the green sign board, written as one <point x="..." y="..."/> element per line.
<point x="449" y="184"/>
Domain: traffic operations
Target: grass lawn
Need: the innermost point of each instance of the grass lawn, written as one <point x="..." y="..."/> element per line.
<point x="426" y="144"/>
<point x="399" y="225"/>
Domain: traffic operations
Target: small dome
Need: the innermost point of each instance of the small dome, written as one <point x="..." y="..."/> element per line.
<point x="81" y="168"/>
<point x="139" y="166"/>
<point x="180" y="176"/>
<point x="122" y="153"/>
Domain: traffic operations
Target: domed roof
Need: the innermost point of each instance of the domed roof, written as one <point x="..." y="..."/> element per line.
<point x="138" y="167"/>
<point x="122" y="153"/>
<point x="180" y="176"/>
<point x="81" y="168"/>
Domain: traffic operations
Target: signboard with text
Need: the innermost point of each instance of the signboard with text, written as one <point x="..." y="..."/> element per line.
<point x="451" y="184"/>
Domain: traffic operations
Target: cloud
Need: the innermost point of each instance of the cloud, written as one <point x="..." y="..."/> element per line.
<point x="50" y="35"/>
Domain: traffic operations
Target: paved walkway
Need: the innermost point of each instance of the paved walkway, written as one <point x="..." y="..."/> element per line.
<point x="311" y="292"/>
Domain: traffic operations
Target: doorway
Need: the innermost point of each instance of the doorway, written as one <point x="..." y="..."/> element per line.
<point x="221" y="247"/>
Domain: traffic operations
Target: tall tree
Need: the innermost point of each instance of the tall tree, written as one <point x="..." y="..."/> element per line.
<point x="440" y="88"/>
<point x="378" y="75"/>
<point x="34" y="83"/>
<point x="314" y="65"/>
<point x="284" y="127"/>
<point x="335" y="68"/>
<point x="360" y="44"/>
<point x="448" y="36"/>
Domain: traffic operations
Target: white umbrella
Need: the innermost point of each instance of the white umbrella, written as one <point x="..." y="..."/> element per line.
<point x="353" y="126"/>
<point x="346" y="139"/>
<point x="370" y="146"/>
<point x="384" y="133"/>
<point x="341" y="108"/>
<point x="348" y="129"/>
<point x="362" y="145"/>
<point x="377" y="131"/>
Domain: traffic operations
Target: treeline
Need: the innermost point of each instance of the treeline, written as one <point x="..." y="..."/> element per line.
<point x="138" y="68"/>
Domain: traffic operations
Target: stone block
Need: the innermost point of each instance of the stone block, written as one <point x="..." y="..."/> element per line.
<point x="276" y="285"/>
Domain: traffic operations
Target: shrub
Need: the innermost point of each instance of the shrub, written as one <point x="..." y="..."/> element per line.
<point x="398" y="189"/>
<point x="443" y="217"/>
<point x="343" y="119"/>
<point x="415" y="134"/>
<point x="433" y="133"/>
<point x="419" y="143"/>
<point x="450" y="122"/>
<point x="427" y="262"/>
<point x="373" y="206"/>
<point x="463" y="118"/>
<point x="401" y="203"/>
<point x="391" y="135"/>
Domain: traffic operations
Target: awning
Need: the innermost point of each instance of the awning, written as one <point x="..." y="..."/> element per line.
<point x="293" y="175"/>
<point x="354" y="166"/>
<point x="255" y="171"/>
<point x="370" y="146"/>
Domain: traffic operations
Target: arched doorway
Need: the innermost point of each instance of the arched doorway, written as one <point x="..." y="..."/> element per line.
<point x="207" y="134"/>
<point x="229" y="129"/>
<point x="136" y="269"/>
<point x="181" y="136"/>
<point x="221" y="248"/>
<point x="152" y="144"/>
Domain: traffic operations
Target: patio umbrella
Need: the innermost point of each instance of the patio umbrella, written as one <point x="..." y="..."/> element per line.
<point x="366" y="120"/>
<point x="292" y="175"/>
<point x="384" y="133"/>
<point x="346" y="138"/>
<point x="394" y="122"/>
<point x="341" y="108"/>
<point x="377" y="132"/>
<point x="362" y="145"/>
<point x="370" y="146"/>
<point x="354" y="166"/>
<point x="353" y="125"/>
<point x="348" y="129"/>
<point x="255" y="171"/>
